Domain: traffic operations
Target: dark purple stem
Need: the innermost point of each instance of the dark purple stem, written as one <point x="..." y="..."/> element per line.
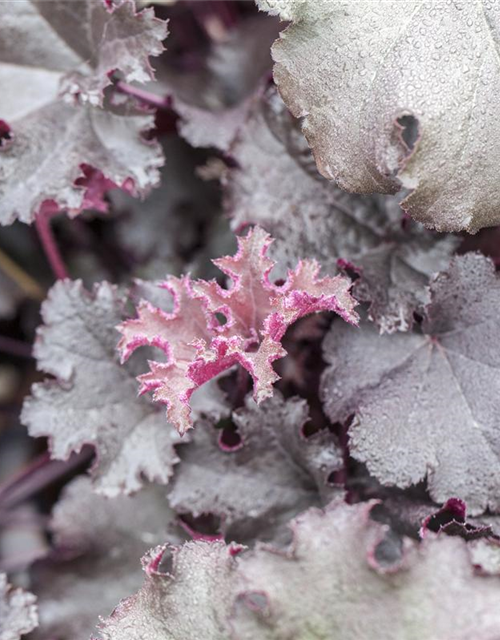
<point x="49" y="245"/>
<point x="39" y="474"/>
<point x="15" y="347"/>
<point x="151" y="99"/>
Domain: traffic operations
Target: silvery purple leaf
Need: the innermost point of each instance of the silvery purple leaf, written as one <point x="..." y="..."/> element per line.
<point x="330" y="584"/>
<point x="267" y="474"/>
<point x="394" y="97"/>
<point x="193" y="600"/>
<point x="93" y="399"/>
<point x="426" y="403"/>
<point x="55" y="62"/>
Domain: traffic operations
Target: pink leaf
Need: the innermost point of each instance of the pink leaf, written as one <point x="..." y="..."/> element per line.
<point x="257" y="314"/>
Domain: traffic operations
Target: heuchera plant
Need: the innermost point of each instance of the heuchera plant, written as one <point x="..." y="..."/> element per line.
<point x="297" y="282"/>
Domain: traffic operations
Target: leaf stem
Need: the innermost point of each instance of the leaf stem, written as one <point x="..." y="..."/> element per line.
<point x="149" y="98"/>
<point x="39" y="474"/>
<point x="15" y="347"/>
<point x="46" y="235"/>
<point x="24" y="281"/>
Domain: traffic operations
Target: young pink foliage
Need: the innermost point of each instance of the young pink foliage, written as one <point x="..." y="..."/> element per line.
<point x="257" y="313"/>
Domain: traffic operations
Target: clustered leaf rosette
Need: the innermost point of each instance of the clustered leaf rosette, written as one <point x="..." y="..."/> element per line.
<point x="255" y="315"/>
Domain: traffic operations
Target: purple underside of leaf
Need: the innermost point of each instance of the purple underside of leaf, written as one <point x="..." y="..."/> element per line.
<point x="257" y="314"/>
<point x="451" y="520"/>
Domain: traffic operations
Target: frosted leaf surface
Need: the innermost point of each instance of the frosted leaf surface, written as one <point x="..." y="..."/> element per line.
<point x="93" y="399"/>
<point x="80" y="44"/>
<point x="54" y="64"/>
<point x="328" y="584"/>
<point x="395" y="96"/>
<point x="18" y="611"/>
<point x="192" y="601"/>
<point x="426" y="403"/>
<point x="269" y="477"/>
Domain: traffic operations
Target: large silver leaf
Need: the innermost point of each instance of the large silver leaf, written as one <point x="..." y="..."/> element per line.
<point x="329" y="584"/>
<point x="426" y="403"/>
<point x="365" y="74"/>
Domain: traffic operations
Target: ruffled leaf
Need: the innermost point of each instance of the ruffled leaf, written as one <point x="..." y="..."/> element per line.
<point x="192" y="601"/>
<point x="330" y="584"/>
<point x="81" y="44"/>
<point x="255" y="312"/>
<point x="54" y="64"/>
